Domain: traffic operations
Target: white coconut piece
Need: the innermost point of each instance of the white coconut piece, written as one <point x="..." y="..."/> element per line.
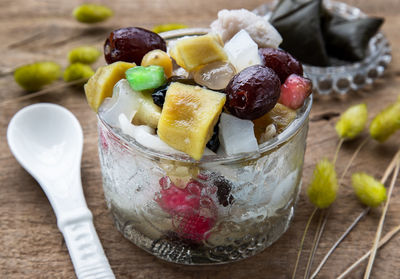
<point x="237" y="135"/>
<point x="242" y="51"/>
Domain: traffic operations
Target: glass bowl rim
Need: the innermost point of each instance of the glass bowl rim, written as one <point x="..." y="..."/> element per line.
<point x="286" y="135"/>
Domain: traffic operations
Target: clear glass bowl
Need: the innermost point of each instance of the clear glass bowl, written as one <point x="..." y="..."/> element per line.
<point x="235" y="206"/>
<point x="216" y="210"/>
<point x="340" y="80"/>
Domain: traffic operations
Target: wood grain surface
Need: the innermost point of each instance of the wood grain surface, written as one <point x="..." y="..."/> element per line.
<point x="31" y="245"/>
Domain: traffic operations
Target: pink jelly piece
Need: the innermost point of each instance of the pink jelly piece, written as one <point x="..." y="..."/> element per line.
<point x="294" y="91"/>
<point x="202" y="176"/>
<point x="193" y="214"/>
<point x="194" y="187"/>
<point x="193" y="226"/>
<point x="174" y="200"/>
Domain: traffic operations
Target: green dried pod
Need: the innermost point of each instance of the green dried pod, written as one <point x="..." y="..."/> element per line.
<point x="168" y="27"/>
<point x="323" y="187"/>
<point x="368" y="190"/>
<point x="77" y="71"/>
<point x="83" y="54"/>
<point x="386" y="122"/>
<point x="34" y="76"/>
<point x="92" y="13"/>
<point x="352" y="121"/>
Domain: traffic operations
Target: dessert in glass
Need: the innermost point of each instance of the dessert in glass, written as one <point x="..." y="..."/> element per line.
<point x="202" y="145"/>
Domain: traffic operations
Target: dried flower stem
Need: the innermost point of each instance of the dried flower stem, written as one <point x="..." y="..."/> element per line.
<point x="317" y="237"/>
<point x="6" y="72"/>
<point x="343" y="236"/>
<point x="388" y="171"/>
<point x="382" y="242"/>
<point x="313" y="247"/>
<point x="381" y="222"/>
<point x="44" y="91"/>
<point x="390" y="168"/>
<point x="320" y="226"/>
<point x="322" y="221"/>
<point x="340" y="143"/>
<point x="353" y="157"/>
<point x="302" y="241"/>
<point x="349" y="163"/>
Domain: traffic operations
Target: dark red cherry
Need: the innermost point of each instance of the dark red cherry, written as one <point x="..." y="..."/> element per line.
<point x="131" y="44"/>
<point x="281" y="62"/>
<point x="253" y="92"/>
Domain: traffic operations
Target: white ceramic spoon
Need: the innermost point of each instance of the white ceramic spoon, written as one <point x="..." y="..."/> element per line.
<point x="47" y="140"/>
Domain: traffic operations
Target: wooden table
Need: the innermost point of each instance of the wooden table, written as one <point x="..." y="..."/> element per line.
<point x="31" y="245"/>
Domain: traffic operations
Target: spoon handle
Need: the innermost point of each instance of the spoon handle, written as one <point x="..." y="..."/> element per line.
<point x="84" y="246"/>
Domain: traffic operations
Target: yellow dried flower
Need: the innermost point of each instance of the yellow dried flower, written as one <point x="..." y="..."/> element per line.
<point x="386" y="122"/>
<point x="368" y="190"/>
<point x="323" y="187"/>
<point x="83" y="54"/>
<point x="352" y="121"/>
<point x="34" y="76"/>
<point x="168" y="27"/>
<point x="77" y="71"/>
<point x="92" y="13"/>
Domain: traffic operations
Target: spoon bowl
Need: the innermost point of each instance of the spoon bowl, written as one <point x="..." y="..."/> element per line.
<point x="47" y="140"/>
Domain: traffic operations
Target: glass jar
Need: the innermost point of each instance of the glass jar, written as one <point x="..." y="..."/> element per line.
<point x="216" y="210"/>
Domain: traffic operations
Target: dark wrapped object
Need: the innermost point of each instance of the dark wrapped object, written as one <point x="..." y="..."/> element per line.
<point x="299" y="24"/>
<point x="348" y="39"/>
<point x="312" y="34"/>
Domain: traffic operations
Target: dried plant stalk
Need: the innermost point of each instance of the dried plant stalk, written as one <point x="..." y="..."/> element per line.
<point x="302" y="241"/>
<point x="382" y="242"/>
<point x="381" y="222"/>
<point x="340" y="143"/>
<point x="343" y="236"/>
<point x="317" y="237"/>
<point x="353" y="157"/>
<point x="45" y="91"/>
